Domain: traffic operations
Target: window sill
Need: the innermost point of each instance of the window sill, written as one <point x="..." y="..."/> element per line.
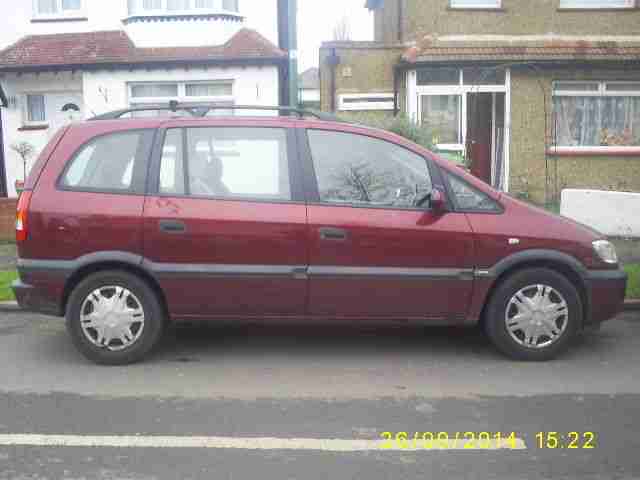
<point x="592" y="9"/>
<point x="477" y="9"/>
<point x="33" y="128"/>
<point x="594" y="151"/>
<point x="59" y="19"/>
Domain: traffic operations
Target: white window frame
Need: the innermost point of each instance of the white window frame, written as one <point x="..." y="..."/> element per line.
<point x="460" y="89"/>
<point x="602" y="91"/>
<point x="136" y="9"/>
<point x="182" y="94"/>
<point x="414" y="109"/>
<point x="385" y="102"/>
<point x="485" y="5"/>
<point x="581" y="5"/>
<point x="60" y="14"/>
<point x="25" y="110"/>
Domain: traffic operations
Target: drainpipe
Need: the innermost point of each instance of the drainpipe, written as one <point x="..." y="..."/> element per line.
<point x="397" y="71"/>
<point x="288" y="41"/>
<point x="333" y="61"/>
<point x="4" y="192"/>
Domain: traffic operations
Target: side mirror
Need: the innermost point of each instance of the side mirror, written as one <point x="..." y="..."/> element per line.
<point x="438" y="201"/>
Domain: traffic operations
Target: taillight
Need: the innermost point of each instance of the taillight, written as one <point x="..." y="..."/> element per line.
<point x="21" y="216"/>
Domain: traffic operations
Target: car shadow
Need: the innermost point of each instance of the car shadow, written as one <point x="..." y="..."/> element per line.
<point x="190" y="341"/>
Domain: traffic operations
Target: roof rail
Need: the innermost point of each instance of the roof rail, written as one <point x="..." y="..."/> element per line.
<point x="203" y="109"/>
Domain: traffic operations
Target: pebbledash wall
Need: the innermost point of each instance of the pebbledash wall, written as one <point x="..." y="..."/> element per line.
<point x="532" y="167"/>
<point x="532" y="157"/>
<point x="515" y="17"/>
<point x="364" y="67"/>
<point x="535" y="170"/>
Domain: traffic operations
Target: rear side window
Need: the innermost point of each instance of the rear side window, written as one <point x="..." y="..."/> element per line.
<point x="226" y="162"/>
<point x="106" y="163"/>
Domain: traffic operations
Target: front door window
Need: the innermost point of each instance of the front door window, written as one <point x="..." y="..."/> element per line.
<point x="361" y="170"/>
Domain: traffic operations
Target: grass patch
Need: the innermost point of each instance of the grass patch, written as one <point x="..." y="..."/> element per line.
<point x="6" y="277"/>
<point x="633" y="286"/>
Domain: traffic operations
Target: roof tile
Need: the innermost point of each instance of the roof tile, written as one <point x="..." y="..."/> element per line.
<point x="553" y="50"/>
<point x="115" y="47"/>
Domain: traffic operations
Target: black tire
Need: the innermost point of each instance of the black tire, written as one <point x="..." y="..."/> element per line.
<point x="496" y="327"/>
<point x="154" y="318"/>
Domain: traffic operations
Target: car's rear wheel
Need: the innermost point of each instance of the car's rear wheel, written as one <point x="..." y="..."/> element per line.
<point x="114" y="318"/>
<point x="533" y="314"/>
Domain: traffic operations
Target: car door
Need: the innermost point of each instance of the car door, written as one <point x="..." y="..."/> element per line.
<point x="375" y="249"/>
<point x="225" y="228"/>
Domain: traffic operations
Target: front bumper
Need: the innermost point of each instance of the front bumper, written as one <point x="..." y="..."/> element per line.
<point x="33" y="299"/>
<point x="606" y="292"/>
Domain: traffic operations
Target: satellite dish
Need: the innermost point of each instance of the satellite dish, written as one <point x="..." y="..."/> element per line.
<point x="71" y="106"/>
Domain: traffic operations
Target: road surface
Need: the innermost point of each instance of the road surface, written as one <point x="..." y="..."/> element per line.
<point x="314" y="403"/>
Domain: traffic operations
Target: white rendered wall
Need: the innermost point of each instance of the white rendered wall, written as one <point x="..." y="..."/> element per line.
<point x="183" y="32"/>
<point x="615" y="214"/>
<point x="102" y="91"/>
<point x="107" y="90"/>
<point x="60" y="89"/>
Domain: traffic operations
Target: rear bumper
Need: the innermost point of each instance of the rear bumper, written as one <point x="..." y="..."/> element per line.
<point x="33" y="299"/>
<point x="606" y="290"/>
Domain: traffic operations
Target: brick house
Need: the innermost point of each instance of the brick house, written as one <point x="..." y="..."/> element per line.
<point x="81" y="58"/>
<point x="532" y="96"/>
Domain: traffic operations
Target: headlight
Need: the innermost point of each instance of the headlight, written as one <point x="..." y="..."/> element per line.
<point x="606" y="251"/>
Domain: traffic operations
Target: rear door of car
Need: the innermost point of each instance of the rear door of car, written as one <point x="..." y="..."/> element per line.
<point x="88" y="201"/>
<point x="225" y="219"/>
<point x="375" y="252"/>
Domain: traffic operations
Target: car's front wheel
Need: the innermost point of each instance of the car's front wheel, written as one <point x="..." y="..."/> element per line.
<point x="114" y="318"/>
<point x="533" y="314"/>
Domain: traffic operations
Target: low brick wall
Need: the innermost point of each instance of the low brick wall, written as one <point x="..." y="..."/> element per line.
<point x="8" y="218"/>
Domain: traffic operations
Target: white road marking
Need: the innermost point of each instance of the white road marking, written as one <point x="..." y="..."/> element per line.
<point x="248" y="443"/>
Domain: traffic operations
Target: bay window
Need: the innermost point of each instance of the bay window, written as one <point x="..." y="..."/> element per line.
<point x="57" y="8"/>
<point x="596" y="114"/>
<point x="180" y="7"/>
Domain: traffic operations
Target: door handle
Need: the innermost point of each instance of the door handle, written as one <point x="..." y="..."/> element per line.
<point x="333" y="234"/>
<point x="172" y="226"/>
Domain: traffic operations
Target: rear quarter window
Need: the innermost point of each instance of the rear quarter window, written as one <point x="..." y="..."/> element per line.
<point x="109" y="163"/>
<point x="46" y="152"/>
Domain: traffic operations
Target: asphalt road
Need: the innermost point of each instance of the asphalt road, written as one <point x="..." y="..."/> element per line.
<point x="263" y="398"/>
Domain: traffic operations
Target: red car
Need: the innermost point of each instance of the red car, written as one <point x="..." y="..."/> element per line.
<point x="126" y="224"/>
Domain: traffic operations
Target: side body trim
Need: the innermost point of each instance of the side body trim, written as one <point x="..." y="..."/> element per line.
<point x="392" y="272"/>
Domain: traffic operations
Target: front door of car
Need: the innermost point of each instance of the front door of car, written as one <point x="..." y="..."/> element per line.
<point x="224" y="234"/>
<point x="376" y="248"/>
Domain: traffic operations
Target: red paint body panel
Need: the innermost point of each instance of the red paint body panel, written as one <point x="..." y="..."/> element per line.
<point x="64" y="226"/>
<point x="229" y="233"/>
<point x="73" y="224"/>
<point x="390" y="238"/>
<point x="533" y="228"/>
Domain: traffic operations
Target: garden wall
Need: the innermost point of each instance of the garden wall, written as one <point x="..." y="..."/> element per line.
<point x="7" y="218"/>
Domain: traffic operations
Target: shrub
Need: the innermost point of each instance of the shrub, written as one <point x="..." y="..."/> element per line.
<point x="400" y="125"/>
